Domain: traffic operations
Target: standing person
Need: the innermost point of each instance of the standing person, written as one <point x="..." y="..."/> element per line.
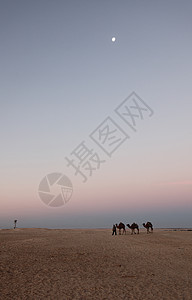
<point x="114" y="230"/>
<point x="15" y="222"/>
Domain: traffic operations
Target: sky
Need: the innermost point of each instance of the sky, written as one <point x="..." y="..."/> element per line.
<point x="70" y="125"/>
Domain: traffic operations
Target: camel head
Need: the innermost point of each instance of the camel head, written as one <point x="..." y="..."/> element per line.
<point x="144" y="225"/>
<point x="128" y="226"/>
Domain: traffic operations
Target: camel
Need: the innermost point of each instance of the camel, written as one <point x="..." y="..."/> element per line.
<point x="148" y="225"/>
<point x="133" y="227"/>
<point x="121" y="226"/>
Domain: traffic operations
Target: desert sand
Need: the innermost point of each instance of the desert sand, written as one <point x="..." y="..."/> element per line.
<point x="93" y="264"/>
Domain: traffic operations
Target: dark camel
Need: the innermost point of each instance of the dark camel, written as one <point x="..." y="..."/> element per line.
<point x="148" y="226"/>
<point x="121" y="226"/>
<point x="133" y="227"/>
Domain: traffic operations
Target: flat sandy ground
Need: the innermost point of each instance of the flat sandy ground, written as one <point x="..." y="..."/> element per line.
<point x="93" y="264"/>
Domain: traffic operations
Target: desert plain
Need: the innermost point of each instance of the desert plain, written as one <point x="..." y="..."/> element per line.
<point x="39" y="263"/>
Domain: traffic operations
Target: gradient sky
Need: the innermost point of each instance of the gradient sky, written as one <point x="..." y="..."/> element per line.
<point x="61" y="76"/>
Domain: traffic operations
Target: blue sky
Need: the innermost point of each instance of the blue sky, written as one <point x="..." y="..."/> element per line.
<point x="61" y="76"/>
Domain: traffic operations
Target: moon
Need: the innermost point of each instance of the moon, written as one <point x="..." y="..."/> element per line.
<point x="113" y="39"/>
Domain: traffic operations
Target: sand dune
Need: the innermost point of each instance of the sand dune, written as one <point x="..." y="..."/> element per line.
<point x="93" y="264"/>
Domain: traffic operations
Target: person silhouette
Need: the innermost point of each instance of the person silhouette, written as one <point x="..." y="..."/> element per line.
<point x="114" y="230"/>
<point x="15" y="222"/>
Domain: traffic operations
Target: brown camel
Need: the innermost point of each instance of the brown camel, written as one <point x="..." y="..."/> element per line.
<point x="148" y="226"/>
<point x="121" y="226"/>
<point x="133" y="227"/>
